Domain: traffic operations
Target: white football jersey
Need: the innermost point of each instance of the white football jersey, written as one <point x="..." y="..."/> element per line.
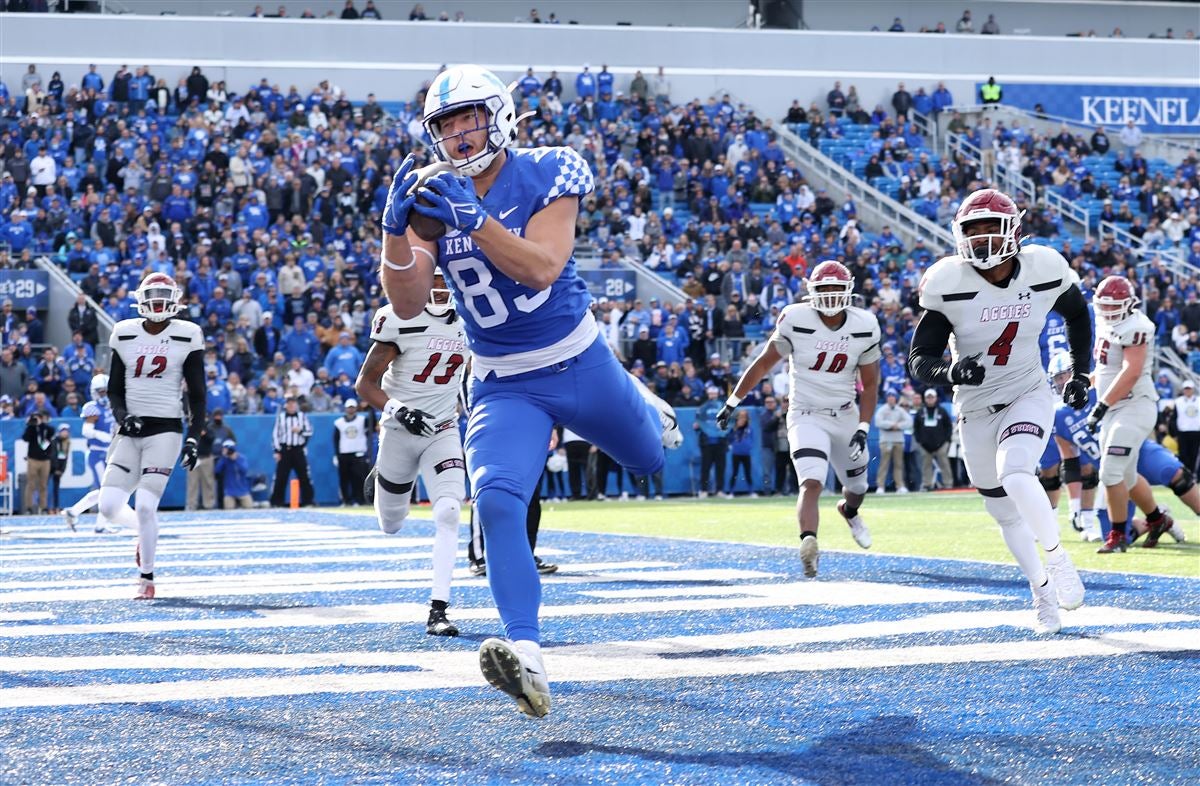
<point x="154" y="365"/>
<point x="1109" y="352"/>
<point x="824" y="361"/>
<point x="433" y="356"/>
<point x="999" y="324"/>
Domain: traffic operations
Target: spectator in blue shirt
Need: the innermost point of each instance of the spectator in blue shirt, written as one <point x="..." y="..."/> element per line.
<point x="529" y="84"/>
<point x="672" y="342"/>
<point x="217" y="392"/>
<point x="713" y="442"/>
<point x="300" y="342"/>
<point x="585" y="83"/>
<point x="604" y="82"/>
<point x="18" y="234"/>
<point x="345" y="358"/>
<point x="219" y="305"/>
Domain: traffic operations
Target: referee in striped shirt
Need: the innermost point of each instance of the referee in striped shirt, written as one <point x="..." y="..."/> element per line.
<point x="292" y="432"/>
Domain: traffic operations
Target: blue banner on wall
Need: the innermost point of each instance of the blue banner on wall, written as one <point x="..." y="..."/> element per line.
<point x="25" y="288"/>
<point x="614" y="284"/>
<point x="1155" y="109"/>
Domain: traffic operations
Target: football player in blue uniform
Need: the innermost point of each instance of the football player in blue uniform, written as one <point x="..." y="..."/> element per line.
<point x="1080" y="452"/>
<point x="538" y="357"/>
<point x="98" y="428"/>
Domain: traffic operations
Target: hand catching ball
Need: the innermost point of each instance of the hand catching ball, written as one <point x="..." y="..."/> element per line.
<point x="426" y="228"/>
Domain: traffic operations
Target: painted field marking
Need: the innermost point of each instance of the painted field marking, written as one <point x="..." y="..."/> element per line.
<point x="461" y="669"/>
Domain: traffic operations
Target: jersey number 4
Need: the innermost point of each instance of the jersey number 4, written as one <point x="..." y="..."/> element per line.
<point x="158" y="364"/>
<point x="1001" y="348"/>
<point x="452" y="364"/>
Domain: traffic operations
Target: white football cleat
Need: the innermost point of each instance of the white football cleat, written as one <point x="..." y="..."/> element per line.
<point x="515" y="667"/>
<point x="71" y="518"/>
<point x="1067" y="584"/>
<point x="145" y="590"/>
<point x="1176" y="532"/>
<point x="810" y="555"/>
<point x="1045" y="605"/>
<point x="1090" y="522"/>
<point x="862" y="535"/>
<point x="672" y="437"/>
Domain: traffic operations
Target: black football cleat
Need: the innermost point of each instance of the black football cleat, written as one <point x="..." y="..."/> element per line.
<point x="478" y="568"/>
<point x="439" y="625"/>
<point x="544" y="568"/>
<point x="1116" y="542"/>
<point x="1156" y="531"/>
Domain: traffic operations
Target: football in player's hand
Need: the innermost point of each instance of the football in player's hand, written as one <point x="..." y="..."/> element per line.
<point x="426" y="228"/>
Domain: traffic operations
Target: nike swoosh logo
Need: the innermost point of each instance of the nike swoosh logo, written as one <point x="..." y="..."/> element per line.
<point x="505" y="214"/>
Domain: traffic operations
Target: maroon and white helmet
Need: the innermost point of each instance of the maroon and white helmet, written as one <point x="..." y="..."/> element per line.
<point x="1114" y="300"/>
<point x="158" y="297"/>
<point x="829" y="287"/>
<point x="988" y="250"/>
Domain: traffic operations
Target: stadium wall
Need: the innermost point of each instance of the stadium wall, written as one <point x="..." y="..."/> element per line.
<point x="765" y="68"/>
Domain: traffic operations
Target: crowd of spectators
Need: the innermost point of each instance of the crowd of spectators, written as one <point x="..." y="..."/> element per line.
<point x="264" y="202"/>
<point x="966" y="25"/>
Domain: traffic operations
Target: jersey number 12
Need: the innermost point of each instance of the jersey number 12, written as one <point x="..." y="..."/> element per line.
<point x="158" y="364"/>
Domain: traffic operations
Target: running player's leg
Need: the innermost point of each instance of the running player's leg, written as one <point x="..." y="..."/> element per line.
<point x="444" y="472"/>
<point x="1048" y="473"/>
<point x="395" y="472"/>
<point x="1121" y="438"/>
<point x="505" y="446"/>
<point x="852" y="472"/>
<point x="979" y="434"/>
<point x="602" y="403"/>
<point x="158" y="457"/>
<point x="1023" y="429"/>
<point x="810" y="443"/>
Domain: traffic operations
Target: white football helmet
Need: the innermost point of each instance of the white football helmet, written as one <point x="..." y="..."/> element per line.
<point x="89" y="410"/>
<point x="1060" y="369"/>
<point x="465" y="86"/>
<point x="99" y="388"/>
<point x="158" y="297"/>
<point x="441" y="300"/>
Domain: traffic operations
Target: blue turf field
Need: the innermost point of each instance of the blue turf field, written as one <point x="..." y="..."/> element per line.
<point x="291" y="648"/>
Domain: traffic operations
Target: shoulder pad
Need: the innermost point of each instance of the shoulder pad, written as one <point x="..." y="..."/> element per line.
<point x="387" y="326"/>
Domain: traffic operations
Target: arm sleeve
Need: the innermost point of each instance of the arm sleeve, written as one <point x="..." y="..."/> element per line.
<point x="1073" y="308"/>
<point x="929" y="342"/>
<point x="193" y="375"/>
<point x="337" y="440"/>
<point x="116" y="388"/>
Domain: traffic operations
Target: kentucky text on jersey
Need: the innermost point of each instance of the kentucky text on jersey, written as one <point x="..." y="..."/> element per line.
<point x="464" y="244"/>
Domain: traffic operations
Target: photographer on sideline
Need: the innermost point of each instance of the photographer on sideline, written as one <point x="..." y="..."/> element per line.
<point x="233" y="470"/>
<point x="39" y="435"/>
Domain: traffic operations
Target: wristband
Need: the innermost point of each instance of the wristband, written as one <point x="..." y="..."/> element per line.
<point x="864" y="427"/>
<point x="733" y="400"/>
<point x="391" y="406"/>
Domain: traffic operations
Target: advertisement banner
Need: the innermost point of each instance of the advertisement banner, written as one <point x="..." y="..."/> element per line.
<point x="25" y="288"/>
<point x="615" y="284"/>
<point x="1154" y="109"/>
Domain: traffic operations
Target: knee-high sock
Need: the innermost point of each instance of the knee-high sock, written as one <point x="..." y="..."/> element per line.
<point x="512" y="574"/>
<point x="1018" y="537"/>
<point x="1030" y="500"/>
<point x="147" y="518"/>
<point x="445" y="546"/>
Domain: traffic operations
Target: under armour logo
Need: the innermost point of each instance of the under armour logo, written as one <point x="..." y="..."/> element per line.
<point x="1024" y="296"/>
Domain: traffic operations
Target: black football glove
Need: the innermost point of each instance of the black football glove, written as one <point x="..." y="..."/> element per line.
<point x="858" y="443"/>
<point x="967" y="371"/>
<point x="1075" y="392"/>
<point x="1098" y="412"/>
<point x="415" y="421"/>
<point x="190" y="454"/>
<point x="724" y="415"/>
<point x="132" y="425"/>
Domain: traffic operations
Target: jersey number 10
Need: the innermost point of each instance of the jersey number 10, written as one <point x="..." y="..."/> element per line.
<point x="836" y="363"/>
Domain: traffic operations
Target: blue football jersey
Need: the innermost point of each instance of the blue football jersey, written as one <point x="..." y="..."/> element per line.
<point x="104" y="423"/>
<point x="1054" y="336"/>
<point x="1071" y="425"/>
<point x="1157" y="464"/>
<point x="502" y="316"/>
